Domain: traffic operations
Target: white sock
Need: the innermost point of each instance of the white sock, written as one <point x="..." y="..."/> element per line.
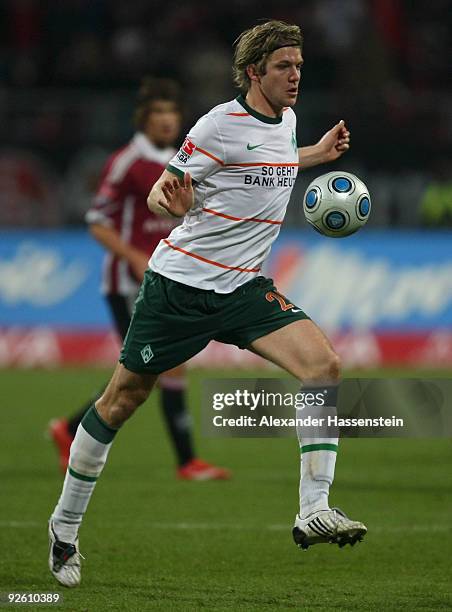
<point x="316" y="474"/>
<point x="87" y="459"/>
<point x="318" y="460"/>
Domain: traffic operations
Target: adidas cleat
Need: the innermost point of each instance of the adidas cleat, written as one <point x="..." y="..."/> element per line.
<point x="327" y="526"/>
<point x="64" y="560"/>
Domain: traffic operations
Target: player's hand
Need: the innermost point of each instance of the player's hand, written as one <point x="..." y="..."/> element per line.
<point x="177" y="198"/>
<point x="138" y="262"/>
<point x="335" y="142"/>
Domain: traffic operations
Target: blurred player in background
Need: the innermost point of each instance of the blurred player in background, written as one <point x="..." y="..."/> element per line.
<point x="231" y="181"/>
<point x="122" y="223"/>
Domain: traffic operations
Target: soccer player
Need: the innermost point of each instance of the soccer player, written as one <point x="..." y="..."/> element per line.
<point x="231" y="181"/>
<point x="122" y="223"/>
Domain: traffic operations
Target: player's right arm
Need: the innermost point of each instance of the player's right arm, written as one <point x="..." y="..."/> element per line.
<point x="171" y="196"/>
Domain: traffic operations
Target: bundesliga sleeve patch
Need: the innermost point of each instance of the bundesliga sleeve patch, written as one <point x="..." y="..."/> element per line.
<point x="186" y="151"/>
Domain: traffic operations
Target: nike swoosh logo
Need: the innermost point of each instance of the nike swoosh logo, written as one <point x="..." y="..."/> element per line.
<point x="296" y="309"/>
<point x="250" y="148"/>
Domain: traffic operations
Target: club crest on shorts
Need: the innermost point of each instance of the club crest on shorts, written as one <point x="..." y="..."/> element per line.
<point x="146" y="353"/>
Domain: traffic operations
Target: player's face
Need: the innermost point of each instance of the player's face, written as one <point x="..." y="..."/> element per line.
<point x="280" y="82"/>
<point x="163" y="123"/>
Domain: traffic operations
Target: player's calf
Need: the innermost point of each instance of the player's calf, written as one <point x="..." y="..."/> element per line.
<point x="124" y="394"/>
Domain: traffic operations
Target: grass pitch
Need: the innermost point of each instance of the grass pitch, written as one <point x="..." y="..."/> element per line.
<point x="154" y="543"/>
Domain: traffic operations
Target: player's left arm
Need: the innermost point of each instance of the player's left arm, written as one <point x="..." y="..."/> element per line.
<point x="331" y="146"/>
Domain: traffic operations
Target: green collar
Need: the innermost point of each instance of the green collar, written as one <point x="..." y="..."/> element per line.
<point x="241" y="100"/>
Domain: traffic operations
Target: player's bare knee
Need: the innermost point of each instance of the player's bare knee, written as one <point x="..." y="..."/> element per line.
<point x="331" y="368"/>
<point x="325" y="370"/>
<point x="334" y="367"/>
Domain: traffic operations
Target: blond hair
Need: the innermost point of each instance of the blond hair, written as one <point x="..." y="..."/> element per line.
<point x="254" y="46"/>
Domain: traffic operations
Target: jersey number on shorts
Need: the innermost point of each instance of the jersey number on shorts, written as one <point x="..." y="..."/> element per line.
<point x="274" y="295"/>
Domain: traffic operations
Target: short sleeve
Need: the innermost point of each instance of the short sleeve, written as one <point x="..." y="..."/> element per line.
<point x="201" y="153"/>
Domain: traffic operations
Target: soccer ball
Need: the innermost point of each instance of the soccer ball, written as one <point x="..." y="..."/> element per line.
<point x="337" y="204"/>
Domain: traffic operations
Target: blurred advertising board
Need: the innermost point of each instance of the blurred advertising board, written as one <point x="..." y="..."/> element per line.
<point x="383" y="297"/>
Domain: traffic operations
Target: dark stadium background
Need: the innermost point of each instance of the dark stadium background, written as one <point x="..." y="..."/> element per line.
<point x="68" y="76"/>
<point x="69" y="70"/>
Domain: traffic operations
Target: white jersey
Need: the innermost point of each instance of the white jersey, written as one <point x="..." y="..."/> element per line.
<point x="244" y="165"/>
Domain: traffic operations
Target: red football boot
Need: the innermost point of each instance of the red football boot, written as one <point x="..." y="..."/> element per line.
<point x="196" y="469"/>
